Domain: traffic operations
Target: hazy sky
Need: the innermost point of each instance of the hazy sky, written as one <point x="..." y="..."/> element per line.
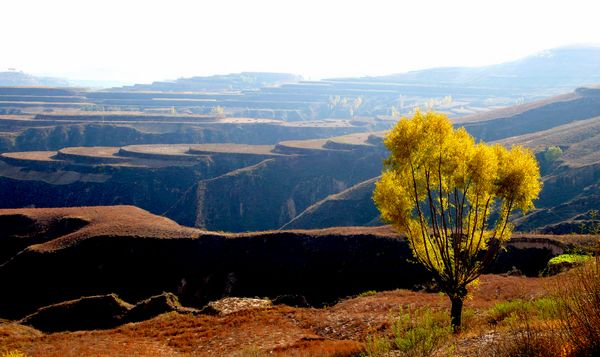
<point x="142" y="41"/>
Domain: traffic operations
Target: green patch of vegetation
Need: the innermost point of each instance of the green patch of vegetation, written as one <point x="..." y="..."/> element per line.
<point x="417" y="332"/>
<point x="367" y="293"/>
<point x="552" y="154"/>
<point x="377" y="346"/>
<point x="420" y="332"/>
<point x="569" y="258"/>
<point x="565" y="262"/>
<point x="543" y="308"/>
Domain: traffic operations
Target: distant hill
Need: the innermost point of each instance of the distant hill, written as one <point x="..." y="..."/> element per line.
<point x="558" y="70"/>
<point x="457" y="91"/>
<point x="571" y="181"/>
<point x="17" y="78"/>
<point x="226" y="82"/>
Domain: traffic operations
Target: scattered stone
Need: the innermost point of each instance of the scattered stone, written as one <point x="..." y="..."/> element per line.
<point x="234" y="304"/>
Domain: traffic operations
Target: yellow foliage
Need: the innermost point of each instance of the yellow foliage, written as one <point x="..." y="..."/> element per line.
<point x="441" y="189"/>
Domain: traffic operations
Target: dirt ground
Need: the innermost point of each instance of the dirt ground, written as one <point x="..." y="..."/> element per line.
<point x="338" y="330"/>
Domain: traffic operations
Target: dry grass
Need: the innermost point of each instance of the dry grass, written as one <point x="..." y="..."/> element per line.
<point x="340" y="330"/>
<point x="127" y="221"/>
<point x="580" y="313"/>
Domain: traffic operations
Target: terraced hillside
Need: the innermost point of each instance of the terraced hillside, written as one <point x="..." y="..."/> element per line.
<point x="571" y="183"/>
<point x="456" y="91"/>
<point x="56" y="131"/>
<point x="230" y="187"/>
<point x="311" y="183"/>
<point x="58" y="254"/>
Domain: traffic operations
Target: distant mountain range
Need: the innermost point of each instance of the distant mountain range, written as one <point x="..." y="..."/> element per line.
<point x="561" y="69"/>
<point x="18" y="78"/>
<point x="548" y="72"/>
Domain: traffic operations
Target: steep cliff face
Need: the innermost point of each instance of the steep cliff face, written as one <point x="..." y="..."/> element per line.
<point x="151" y="184"/>
<point x="270" y="194"/>
<point x="351" y="207"/>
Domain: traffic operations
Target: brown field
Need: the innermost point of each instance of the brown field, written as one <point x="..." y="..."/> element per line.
<point x="247" y="121"/>
<point x="328" y="123"/>
<point x="231" y="149"/>
<point x="316" y="144"/>
<point x="176" y="149"/>
<point x="354" y="139"/>
<point x="96" y="151"/>
<point x="31" y="155"/>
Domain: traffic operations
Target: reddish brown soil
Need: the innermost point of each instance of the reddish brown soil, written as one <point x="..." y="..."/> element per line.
<point x="130" y="221"/>
<point x="125" y="221"/>
<point x="339" y="330"/>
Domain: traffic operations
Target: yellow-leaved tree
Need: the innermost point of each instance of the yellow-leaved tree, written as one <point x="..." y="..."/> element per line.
<point x="453" y="198"/>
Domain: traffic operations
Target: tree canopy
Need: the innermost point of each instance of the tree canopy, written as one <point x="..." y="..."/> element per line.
<point x="453" y="197"/>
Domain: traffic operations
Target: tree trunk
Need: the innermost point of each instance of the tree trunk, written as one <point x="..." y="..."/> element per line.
<point x="456" y="314"/>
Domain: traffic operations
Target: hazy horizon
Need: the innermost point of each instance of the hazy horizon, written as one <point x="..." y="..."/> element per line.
<point x="140" y="42"/>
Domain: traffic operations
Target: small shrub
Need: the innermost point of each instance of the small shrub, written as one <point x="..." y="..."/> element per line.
<point x="565" y="262"/>
<point x="580" y="309"/>
<point x="367" y="293"/>
<point x="508" y="309"/>
<point x="377" y="346"/>
<point x="542" y="308"/>
<point x="552" y="154"/>
<point x="547" y="308"/>
<point x="420" y="332"/>
<point x="528" y="341"/>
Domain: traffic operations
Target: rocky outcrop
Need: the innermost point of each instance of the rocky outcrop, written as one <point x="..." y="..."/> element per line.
<point x="230" y="305"/>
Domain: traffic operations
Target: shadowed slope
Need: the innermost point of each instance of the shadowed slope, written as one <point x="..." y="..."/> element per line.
<point x="351" y="207"/>
<point x="127" y="251"/>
